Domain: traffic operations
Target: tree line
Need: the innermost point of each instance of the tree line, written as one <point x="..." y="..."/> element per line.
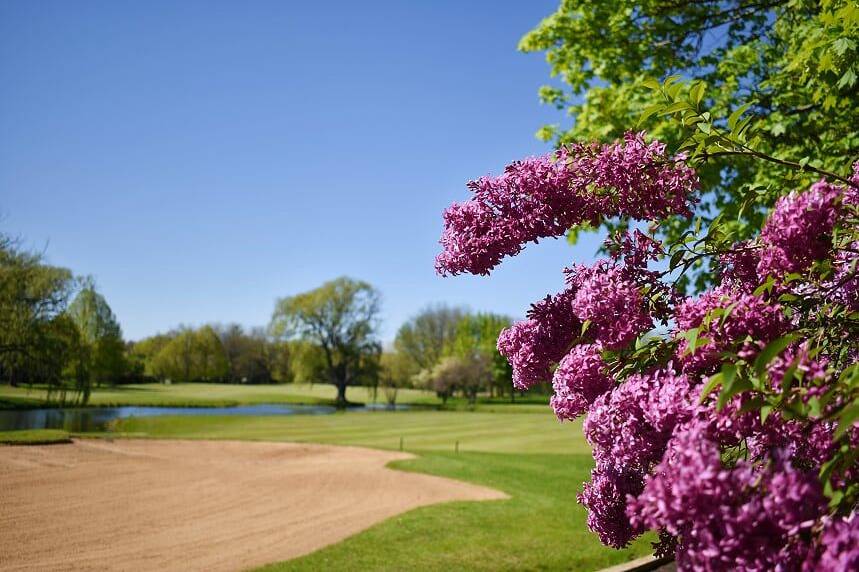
<point x="55" y="328"/>
<point x="58" y="331"/>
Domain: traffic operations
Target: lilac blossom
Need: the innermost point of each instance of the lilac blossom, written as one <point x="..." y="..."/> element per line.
<point x="580" y="378"/>
<point x="632" y="424"/>
<point x="728" y="518"/>
<point x="799" y="230"/>
<point x="742" y="315"/>
<point x="739" y="267"/>
<point x="605" y="497"/>
<point x="839" y="546"/>
<point x="611" y="302"/>
<point x="804" y="367"/>
<point x="726" y="487"/>
<point x="544" y="196"/>
<point x="534" y="345"/>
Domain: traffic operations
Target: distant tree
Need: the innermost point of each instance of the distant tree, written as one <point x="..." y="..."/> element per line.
<point x="192" y="355"/>
<point x="233" y="341"/>
<point x="208" y="357"/>
<point x="396" y="371"/>
<point x="469" y="375"/>
<point x="33" y="296"/>
<point x="100" y="334"/>
<point x="475" y="339"/>
<point x="141" y="355"/>
<point x="424" y="337"/>
<point x="175" y="360"/>
<point x="341" y="317"/>
<point x="253" y="357"/>
<point x="66" y="363"/>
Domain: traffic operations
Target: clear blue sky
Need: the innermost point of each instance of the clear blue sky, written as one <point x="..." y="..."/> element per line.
<point x="201" y="159"/>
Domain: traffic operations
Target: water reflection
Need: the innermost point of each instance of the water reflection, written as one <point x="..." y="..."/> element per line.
<point x="96" y="418"/>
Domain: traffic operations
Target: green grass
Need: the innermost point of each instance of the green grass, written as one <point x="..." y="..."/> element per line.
<point x="540" y="528"/>
<point x="222" y="395"/>
<point x="34" y="437"/>
<point x="511" y="432"/>
<point x="539" y="462"/>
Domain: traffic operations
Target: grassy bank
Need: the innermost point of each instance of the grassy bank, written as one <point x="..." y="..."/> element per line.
<point x="34" y="437"/>
<point x="221" y="395"/>
<point x="539" y="462"/>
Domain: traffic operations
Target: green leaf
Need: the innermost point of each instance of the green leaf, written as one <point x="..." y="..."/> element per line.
<point x="691" y="337"/>
<point x="765" y="412"/>
<point x="771" y="350"/>
<point x="650" y="111"/>
<point x="846" y="418"/>
<point x="675" y="107"/>
<point x="735" y="386"/>
<point x="842" y="45"/>
<point x="732" y="119"/>
<point x="753" y="404"/>
<point x="696" y="92"/>
<point x="714" y="381"/>
<point x="671" y="79"/>
<point x="765" y="287"/>
<point x="585" y="325"/>
<point x="651" y="83"/>
<point x="847" y="80"/>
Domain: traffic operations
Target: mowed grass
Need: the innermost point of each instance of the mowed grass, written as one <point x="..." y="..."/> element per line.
<point x="541" y="527"/>
<point x="539" y="462"/>
<point x="510" y="432"/>
<point x="208" y="395"/>
<point x="34" y="437"/>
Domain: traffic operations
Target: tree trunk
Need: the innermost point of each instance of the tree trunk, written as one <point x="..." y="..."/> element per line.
<point x="341" y="394"/>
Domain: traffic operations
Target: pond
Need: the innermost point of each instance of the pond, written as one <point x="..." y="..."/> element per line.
<point x="80" y="419"/>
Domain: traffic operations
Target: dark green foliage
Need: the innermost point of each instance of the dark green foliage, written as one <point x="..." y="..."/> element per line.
<point x="39" y="343"/>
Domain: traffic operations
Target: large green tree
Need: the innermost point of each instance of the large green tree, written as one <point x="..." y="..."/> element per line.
<point x="33" y="334"/>
<point x="342" y="318"/>
<point x="791" y="64"/>
<point x="100" y="334"/>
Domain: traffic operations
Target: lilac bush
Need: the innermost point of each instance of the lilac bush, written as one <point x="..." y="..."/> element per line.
<point x="724" y="422"/>
<point x="544" y="196"/>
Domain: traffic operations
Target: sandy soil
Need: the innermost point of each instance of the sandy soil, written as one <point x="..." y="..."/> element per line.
<point x="197" y="505"/>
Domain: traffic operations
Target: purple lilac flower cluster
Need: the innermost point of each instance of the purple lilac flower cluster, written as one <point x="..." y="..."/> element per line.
<point x="840" y="546"/>
<point x="744" y="517"/>
<point x="725" y="487"/>
<point x="799" y="231"/>
<point x="605" y="498"/>
<point x="580" y="378"/>
<point x="534" y="345"/>
<point x="545" y="196"/>
<point x="740" y="316"/>
<point x="631" y="424"/>
<point x="613" y="304"/>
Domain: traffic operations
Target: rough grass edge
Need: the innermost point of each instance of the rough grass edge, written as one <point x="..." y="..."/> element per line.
<point x="35" y="437"/>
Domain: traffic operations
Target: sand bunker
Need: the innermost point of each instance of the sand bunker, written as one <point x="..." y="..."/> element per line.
<point x="197" y="505"/>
